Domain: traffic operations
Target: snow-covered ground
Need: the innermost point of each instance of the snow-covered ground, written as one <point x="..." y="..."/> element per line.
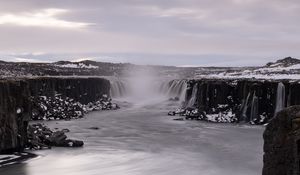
<point x="287" y="68"/>
<point x="77" y="66"/>
<point x="247" y="75"/>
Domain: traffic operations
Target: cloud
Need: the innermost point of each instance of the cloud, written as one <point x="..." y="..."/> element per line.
<point x="250" y="30"/>
<point x="40" y="18"/>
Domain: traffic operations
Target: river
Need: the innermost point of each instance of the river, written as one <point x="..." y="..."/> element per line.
<point x="140" y="139"/>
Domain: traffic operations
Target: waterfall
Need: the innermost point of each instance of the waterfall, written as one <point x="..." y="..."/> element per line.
<point x="117" y="88"/>
<point x="169" y="89"/>
<point x="193" y="98"/>
<point x="254" y="107"/>
<point x="280" y="98"/>
<point x="245" y="107"/>
<point x="174" y="88"/>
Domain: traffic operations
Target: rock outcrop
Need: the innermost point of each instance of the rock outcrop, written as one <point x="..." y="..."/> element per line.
<point x="16" y="107"/>
<point x="40" y="136"/>
<point x="15" y="112"/>
<point x="282" y="143"/>
<point x="83" y="90"/>
<point x="222" y="100"/>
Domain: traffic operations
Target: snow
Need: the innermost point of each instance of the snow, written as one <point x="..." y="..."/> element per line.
<point x="227" y="117"/>
<point x="77" y="66"/>
<point x="278" y="68"/>
<point x="276" y="71"/>
<point x="19" y="110"/>
<point x="271" y="76"/>
<point x="222" y="105"/>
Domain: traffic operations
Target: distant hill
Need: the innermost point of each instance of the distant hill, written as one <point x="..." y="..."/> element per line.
<point x="286" y="62"/>
<point x="287" y="68"/>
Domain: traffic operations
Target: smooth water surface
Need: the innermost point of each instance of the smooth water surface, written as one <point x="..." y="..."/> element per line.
<point x="143" y="140"/>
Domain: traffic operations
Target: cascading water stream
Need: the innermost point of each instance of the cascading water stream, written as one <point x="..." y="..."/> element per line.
<point x="244" y="112"/>
<point x="193" y="98"/>
<point x="254" y="107"/>
<point x="118" y="88"/>
<point x="280" y="98"/>
<point x="142" y="89"/>
<point x="174" y="88"/>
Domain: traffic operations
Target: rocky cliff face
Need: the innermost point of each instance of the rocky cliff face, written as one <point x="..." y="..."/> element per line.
<point x="282" y="143"/>
<point x="245" y="100"/>
<point x="14" y="115"/>
<point x="83" y="90"/>
<point x="16" y="108"/>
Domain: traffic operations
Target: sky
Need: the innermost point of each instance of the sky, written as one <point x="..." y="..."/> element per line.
<point x="166" y="32"/>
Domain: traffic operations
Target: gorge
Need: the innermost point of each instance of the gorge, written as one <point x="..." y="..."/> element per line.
<point x="145" y="100"/>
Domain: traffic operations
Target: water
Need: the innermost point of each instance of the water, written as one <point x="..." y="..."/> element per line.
<point x="118" y="88"/>
<point x="140" y="139"/>
<point x="254" y="107"/>
<point x="192" y="100"/>
<point x="245" y="107"/>
<point x="280" y="99"/>
<point x="174" y="88"/>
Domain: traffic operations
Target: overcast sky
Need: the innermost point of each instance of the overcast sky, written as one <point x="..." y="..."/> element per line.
<point x="168" y="32"/>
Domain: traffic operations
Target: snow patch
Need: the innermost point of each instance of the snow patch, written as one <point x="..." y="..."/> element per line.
<point x="77" y="66"/>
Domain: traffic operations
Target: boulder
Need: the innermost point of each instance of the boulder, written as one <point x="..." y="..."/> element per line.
<point x="40" y="137"/>
<point x="94" y="128"/>
<point x="70" y="143"/>
<point x="57" y="138"/>
<point x="282" y="143"/>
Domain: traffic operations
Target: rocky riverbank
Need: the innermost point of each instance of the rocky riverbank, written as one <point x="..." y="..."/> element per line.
<point x="46" y="98"/>
<point x="59" y="107"/>
<point x="40" y="137"/>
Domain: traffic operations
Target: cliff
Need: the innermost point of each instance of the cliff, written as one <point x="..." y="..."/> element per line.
<point x="83" y="90"/>
<point x="16" y="103"/>
<point x="252" y="101"/>
<point x="282" y="143"/>
<point x="15" y="112"/>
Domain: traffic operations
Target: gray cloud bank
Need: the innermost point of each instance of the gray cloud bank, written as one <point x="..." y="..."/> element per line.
<point x="169" y="32"/>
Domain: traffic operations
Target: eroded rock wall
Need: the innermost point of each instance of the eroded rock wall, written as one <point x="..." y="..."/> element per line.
<point x="16" y="108"/>
<point x="15" y="111"/>
<point x="83" y="90"/>
<point x="248" y="100"/>
<point x="282" y="143"/>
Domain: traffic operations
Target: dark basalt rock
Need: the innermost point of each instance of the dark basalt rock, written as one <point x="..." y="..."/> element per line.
<point x="171" y="113"/>
<point x="282" y="143"/>
<point x="57" y="138"/>
<point x="46" y="98"/>
<point x="15" y="158"/>
<point x="174" y="99"/>
<point x="15" y="111"/>
<point x="288" y="61"/>
<point x="48" y="108"/>
<point x="251" y="101"/>
<point x="40" y="137"/>
<point x="94" y="128"/>
<point x="70" y="143"/>
<point x="83" y="90"/>
<point x="178" y="119"/>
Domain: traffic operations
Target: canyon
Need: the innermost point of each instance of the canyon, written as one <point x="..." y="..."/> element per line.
<point x="55" y="93"/>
